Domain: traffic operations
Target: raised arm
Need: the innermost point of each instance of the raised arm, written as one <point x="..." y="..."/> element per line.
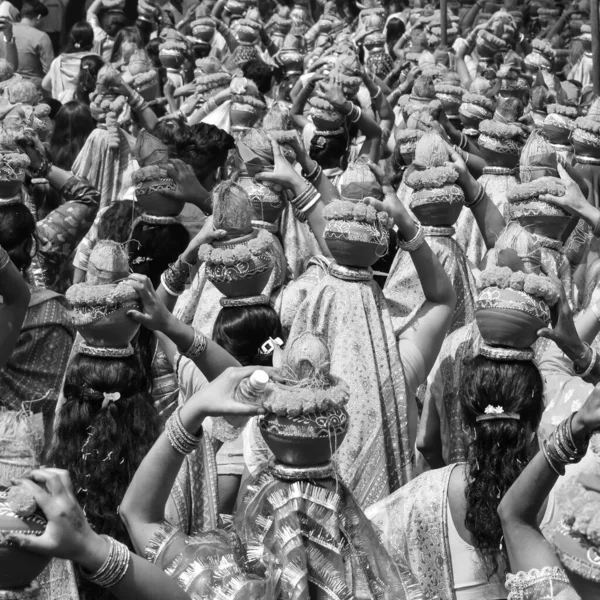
<point x="297" y="110"/>
<point x="15" y="301"/>
<point x="143" y="508"/>
<point x="12" y="55"/>
<point x="527" y="548"/>
<point x="69" y="536"/>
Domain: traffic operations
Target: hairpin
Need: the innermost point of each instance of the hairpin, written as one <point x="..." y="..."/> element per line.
<point x="269" y="346"/>
<point x="110" y="397"/>
<point x="496" y="412"/>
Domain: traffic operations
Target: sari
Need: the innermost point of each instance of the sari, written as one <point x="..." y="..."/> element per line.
<point x="63" y="73"/>
<point x="403" y="291"/>
<point x="353" y="318"/>
<point x="497" y="183"/>
<point x="549" y="583"/>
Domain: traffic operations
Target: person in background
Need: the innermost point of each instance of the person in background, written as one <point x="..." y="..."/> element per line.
<point x="106" y="25"/>
<point x="53" y="22"/>
<point x="63" y="72"/>
<point x="8" y="47"/>
<point x="34" y="47"/>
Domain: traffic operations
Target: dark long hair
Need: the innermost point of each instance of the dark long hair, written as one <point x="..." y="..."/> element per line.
<point x="116" y="222"/>
<point x="103" y="443"/>
<point x="501" y="448"/>
<point x="73" y="125"/>
<point x="242" y="330"/>
<point x="86" y="80"/>
<point x="127" y="34"/>
<point x="81" y="38"/>
<point x="154" y="247"/>
<point x="18" y="234"/>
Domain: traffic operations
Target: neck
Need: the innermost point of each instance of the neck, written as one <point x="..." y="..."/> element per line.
<point x="27" y="21"/>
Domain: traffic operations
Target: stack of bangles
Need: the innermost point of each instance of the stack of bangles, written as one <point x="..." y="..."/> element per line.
<point x="596" y="229"/>
<point x="137" y="102"/>
<point x="304" y="201"/>
<point x="354" y="113"/>
<point x="591" y="372"/>
<point x="414" y="244"/>
<point x="479" y="196"/>
<point x="4" y="258"/>
<point x="314" y="175"/>
<point x="560" y="448"/>
<point x="179" y="437"/>
<point x="377" y="94"/>
<point x="175" y="277"/>
<point x="114" y="567"/>
<point x="198" y="347"/>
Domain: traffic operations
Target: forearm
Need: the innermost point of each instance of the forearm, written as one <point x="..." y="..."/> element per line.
<point x="463" y="72"/>
<point x="429" y="438"/>
<point x="144" y="113"/>
<point x="469" y="18"/>
<point x="93" y="10"/>
<point x="489" y="219"/>
<point x="302" y="99"/>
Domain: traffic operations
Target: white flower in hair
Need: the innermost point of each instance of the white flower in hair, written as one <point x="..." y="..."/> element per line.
<point x="493" y="410"/>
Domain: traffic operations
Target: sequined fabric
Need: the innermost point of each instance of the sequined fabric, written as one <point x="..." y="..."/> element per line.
<point x="353" y="317"/>
<point x="413" y="526"/>
<point x="324" y="546"/>
<point x="468" y="235"/>
<point x="549" y="583"/>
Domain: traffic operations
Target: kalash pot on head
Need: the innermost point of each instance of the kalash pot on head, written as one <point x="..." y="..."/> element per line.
<point x="306" y="419"/>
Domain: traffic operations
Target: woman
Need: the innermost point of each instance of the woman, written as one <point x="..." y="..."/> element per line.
<point x="73" y="125"/>
<point x="444" y="523"/>
<point x="62" y="76"/>
<point x="127" y="41"/>
<point x="85" y="83"/>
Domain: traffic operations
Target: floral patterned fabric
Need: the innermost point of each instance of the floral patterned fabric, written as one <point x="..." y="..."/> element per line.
<point x="353" y="317"/>
<point x="549" y="583"/>
<point x="412" y="524"/>
<point x="468" y="235"/>
<point x="403" y="290"/>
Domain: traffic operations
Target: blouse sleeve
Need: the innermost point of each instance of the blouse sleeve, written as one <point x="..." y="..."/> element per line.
<point x="61" y="231"/>
<point x="549" y="583"/>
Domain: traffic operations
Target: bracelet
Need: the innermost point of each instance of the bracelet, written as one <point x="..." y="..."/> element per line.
<point x="114" y="567"/>
<point x="175" y="277"/>
<point x="590" y="367"/>
<point x="197" y="348"/>
<point x="478" y="198"/>
<point x="377" y="93"/>
<point x="4" y="258"/>
<point x="357" y="111"/>
<point x="415" y="243"/>
<point x="560" y="449"/>
<point x="179" y="437"/>
<point x="314" y="174"/>
<point x="304" y="201"/>
<point x="556" y="468"/>
<point x="136" y="101"/>
<point x="581" y="372"/>
<point x="42" y="170"/>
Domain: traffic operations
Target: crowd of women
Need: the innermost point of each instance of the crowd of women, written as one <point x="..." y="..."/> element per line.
<point x="300" y="300"/>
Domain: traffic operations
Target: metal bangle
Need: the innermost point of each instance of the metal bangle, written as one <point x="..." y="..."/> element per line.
<point x="4" y="258"/>
<point x="114" y="567"/>
<point x="559" y="470"/>
<point x="377" y="94"/>
<point x="179" y="437"/>
<point x="414" y="244"/>
<point x="358" y="114"/>
<point x="197" y="348"/>
<point x="478" y="198"/>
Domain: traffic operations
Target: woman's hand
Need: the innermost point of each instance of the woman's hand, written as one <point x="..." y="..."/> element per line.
<point x="574" y="201"/>
<point x="188" y="189"/>
<point x="466" y="181"/>
<point x="120" y="87"/>
<point x="33" y="147"/>
<point x="206" y="235"/>
<point x="334" y="93"/>
<point x="563" y="332"/>
<point x="283" y="173"/>
<point x="169" y="89"/>
<point x="156" y="315"/>
<point x="217" y="398"/>
<point x="68" y="535"/>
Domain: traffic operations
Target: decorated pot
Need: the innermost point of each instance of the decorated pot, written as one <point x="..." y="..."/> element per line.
<point x="151" y="199"/>
<point x="240" y="278"/>
<point x="267" y="203"/>
<point x="246" y="32"/>
<point x="557" y="134"/>
<point x="149" y="91"/>
<point x="171" y="58"/>
<point x="18" y="568"/>
<point x="438" y="207"/>
<point x="204" y="29"/>
<point x="99" y="313"/>
<point x="542" y="218"/>
<point x="243" y="115"/>
<point x="510" y="318"/>
<point x="498" y="157"/>
<point x="586" y="142"/>
<point x="355" y="243"/>
<point x="307" y="439"/>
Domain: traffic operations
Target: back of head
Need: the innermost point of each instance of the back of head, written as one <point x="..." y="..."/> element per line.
<point x="81" y="38"/>
<point x="127" y="41"/>
<point x="501" y="446"/>
<point x="242" y="330"/>
<point x="33" y="9"/>
<point x="113" y="21"/>
<point x="18" y="234"/>
<point x="88" y="75"/>
<point x="261" y="73"/>
<point x="116" y="222"/>
<point x="73" y="125"/>
<point x="154" y="247"/>
<point x="328" y="150"/>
